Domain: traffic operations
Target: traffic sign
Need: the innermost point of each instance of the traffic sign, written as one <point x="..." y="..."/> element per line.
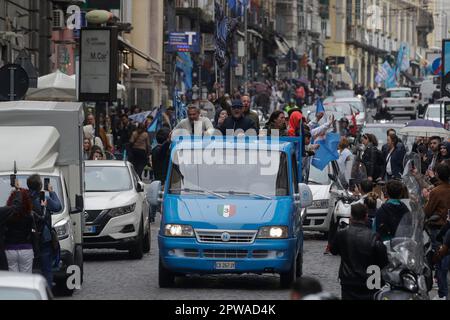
<point x="183" y="42"/>
<point x="16" y="82"/>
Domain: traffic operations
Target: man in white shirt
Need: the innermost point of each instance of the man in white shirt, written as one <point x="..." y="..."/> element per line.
<point x="195" y="124"/>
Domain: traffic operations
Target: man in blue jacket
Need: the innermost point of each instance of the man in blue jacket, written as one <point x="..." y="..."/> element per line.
<point x="44" y="210"/>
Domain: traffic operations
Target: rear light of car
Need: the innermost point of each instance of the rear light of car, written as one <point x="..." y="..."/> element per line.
<point x="385" y="101"/>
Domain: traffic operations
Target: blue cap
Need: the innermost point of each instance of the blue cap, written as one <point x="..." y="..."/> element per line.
<point x="237" y="104"/>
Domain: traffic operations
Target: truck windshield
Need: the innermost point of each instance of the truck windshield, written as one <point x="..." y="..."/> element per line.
<point x="235" y="177"/>
<point x="5" y="188"/>
<point x="108" y="179"/>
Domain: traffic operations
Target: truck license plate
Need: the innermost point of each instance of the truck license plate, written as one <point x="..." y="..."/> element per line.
<point x="225" y="265"/>
<point x="90" y="229"/>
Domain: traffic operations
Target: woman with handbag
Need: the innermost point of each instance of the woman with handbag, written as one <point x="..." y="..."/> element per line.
<point x="19" y="235"/>
<point x="140" y="144"/>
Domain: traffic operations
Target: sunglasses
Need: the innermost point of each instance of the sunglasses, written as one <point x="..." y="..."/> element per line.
<point x="237" y="107"/>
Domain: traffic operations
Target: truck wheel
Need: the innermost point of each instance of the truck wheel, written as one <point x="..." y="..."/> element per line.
<point x="79" y="261"/>
<point x="137" y="250"/>
<point x="147" y="242"/>
<point x="166" y="278"/>
<point x="288" y="278"/>
<point x="299" y="273"/>
<point x="61" y="289"/>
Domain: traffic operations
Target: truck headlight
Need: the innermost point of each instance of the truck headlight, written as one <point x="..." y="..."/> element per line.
<point x="273" y="233"/>
<point x="178" y="230"/>
<point x="117" y="212"/>
<point x="62" y="229"/>
<point x="320" y="204"/>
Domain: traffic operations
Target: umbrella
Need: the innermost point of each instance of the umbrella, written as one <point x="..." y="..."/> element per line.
<point x="425" y="128"/>
<point x="303" y="80"/>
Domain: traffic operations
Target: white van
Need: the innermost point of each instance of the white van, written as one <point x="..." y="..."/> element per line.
<point x="46" y="138"/>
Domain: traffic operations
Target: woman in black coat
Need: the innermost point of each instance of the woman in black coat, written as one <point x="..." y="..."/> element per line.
<point x="394" y="156"/>
<point x="371" y="158"/>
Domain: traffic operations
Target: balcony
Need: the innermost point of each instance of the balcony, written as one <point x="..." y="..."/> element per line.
<point x="372" y="42"/>
<point x="196" y="9"/>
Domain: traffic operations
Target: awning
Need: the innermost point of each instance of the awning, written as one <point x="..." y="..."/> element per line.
<point x="282" y="46"/>
<point x="410" y="77"/>
<point x="240" y="33"/>
<point x="127" y="45"/>
<point x="255" y="33"/>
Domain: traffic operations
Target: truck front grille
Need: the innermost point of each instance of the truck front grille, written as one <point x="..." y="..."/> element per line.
<point x="216" y="236"/>
<point x="225" y="254"/>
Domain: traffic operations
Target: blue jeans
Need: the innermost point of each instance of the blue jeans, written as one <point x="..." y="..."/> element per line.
<point x="441" y="274"/>
<point x="46" y="257"/>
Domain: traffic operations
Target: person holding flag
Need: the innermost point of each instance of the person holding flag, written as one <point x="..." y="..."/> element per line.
<point x="320" y="113"/>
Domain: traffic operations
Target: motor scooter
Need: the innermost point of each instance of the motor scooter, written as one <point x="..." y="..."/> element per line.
<point x="408" y="275"/>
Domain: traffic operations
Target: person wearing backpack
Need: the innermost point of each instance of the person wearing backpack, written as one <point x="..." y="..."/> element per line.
<point x="43" y="215"/>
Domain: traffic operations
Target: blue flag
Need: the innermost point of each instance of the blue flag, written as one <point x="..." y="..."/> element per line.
<point x="185" y="65"/>
<point x="319" y="106"/>
<point x="327" y="152"/>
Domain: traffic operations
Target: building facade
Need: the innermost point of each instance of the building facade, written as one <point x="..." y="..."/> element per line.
<point x="364" y="32"/>
<point x="300" y="22"/>
<point x="440" y="10"/>
<point x="25" y="25"/>
<point x="142" y="67"/>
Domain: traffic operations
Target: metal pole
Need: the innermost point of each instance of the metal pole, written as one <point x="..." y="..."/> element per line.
<point x="246" y="51"/>
<point x="11" y="84"/>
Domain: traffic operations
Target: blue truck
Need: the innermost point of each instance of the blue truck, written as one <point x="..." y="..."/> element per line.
<point x="231" y="206"/>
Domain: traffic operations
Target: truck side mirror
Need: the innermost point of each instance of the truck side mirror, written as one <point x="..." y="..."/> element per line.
<point x="153" y="193"/>
<point x="79" y="205"/>
<point x="305" y="194"/>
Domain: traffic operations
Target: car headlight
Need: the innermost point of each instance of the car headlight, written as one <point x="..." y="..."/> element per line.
<point x="178" y="230"/>
<point x="410" y="282"/>
<point x="273" y="233"/>
<point x="62" y="229"/>
<point x="116" y="212"/>
<point x="320" y="204"/>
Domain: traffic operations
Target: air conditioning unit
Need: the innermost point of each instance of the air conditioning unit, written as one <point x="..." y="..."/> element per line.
<point x="58" y="19"/>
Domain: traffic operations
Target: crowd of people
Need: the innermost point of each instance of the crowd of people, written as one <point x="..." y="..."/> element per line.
<point x="376" y="217"/>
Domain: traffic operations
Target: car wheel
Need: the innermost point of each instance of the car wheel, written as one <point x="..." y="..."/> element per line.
<point x="299" y="272"/>
<point x="147" y="242"/>
<point x="288" y="278"/>
<point x="137" y="250"/>
<point x="166" y="279"/>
